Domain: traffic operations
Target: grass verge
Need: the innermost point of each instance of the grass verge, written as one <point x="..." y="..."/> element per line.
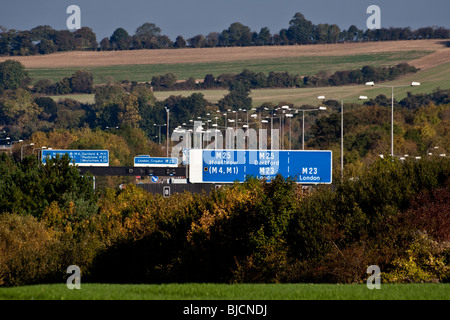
<point x="209" y="291"/>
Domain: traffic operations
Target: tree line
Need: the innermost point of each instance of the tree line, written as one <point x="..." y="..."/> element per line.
<point x="394" y="216"/>
<point x="44" y="39"/>
<point x="260" y="80"/>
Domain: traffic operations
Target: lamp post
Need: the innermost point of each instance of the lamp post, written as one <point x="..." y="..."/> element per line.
<point x="12" y="145"/>
<point x="412" y="84"/>
<point x="303" y="121"/>
<point x="41" y="148"/>
<point x="159" y="136"/>
<point x="290" y="115"/>
<point x="284" y="109"/>
<point x="167" y="134"/>
<point x="342" y="128"/>
<point x="21" y="149"/>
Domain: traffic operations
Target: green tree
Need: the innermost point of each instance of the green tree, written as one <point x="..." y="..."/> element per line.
<point x="108" y="101"/>
<point x="120" y="39"/>
<point x="85" y="38"/>
<point x="237" y="98"/>
<point x="28" y="188"/>
<point x="300" y="30"/>
<point x="199" y="41"/>
<point x="82" y="82"/>
<point x="46" y="46"/>
<point x="48" y="105"/>
<point x="165" y="81"/>
<point x="264" y="37"/>
<point x="105" y="44"/>
<point x="12" y="75"/>
<point x="43" y="32"/>
<point x="148" y="30"/>
<point x="239" y="35"/>
<point x="180" y="42"/>
<point x="64" y="86"/>
<point x="64" y="40"/>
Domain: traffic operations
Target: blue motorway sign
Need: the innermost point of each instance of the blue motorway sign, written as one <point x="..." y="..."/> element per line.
<point x="147" y="161"/>
<point x="80" y="157"/>
<point x="222" y="166"/>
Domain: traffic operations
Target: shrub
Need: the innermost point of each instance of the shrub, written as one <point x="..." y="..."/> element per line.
<point x="25" y="250"/>
<point x="425" y="260"/>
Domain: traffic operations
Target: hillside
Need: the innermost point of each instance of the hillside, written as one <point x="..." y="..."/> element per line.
<point x="440" y="54"/>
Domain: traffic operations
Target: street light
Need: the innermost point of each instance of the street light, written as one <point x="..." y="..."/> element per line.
<point x="167" y="135"/>
<point x="412" y="84"/>
<point x="21" y="149"/>
<point x="12" y="144"/>
<point x="159" y="136"/>
<point x="303" y="121"/>
<point x="290" y="115"/>
<point x="342" y="128"/>
<point x="284" y="109"/>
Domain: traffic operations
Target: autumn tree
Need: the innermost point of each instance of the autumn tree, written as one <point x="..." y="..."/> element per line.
<point x="129" y="112"/>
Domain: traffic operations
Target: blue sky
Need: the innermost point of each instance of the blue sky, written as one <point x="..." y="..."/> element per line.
<point x="192" y="17"/>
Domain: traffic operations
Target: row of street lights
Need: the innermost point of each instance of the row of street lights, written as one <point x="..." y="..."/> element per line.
<point x="412" y="84"/>
<point x="372" y="84"/>
<point x="290" y="115"/>
<point x="32" y="152"/>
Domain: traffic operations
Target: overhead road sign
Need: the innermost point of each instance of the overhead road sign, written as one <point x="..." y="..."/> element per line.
<point x="80" y="157"/>
<point x="134" y="171"/>
<point x="147" y="161"/>
<point x="227" y="166"/>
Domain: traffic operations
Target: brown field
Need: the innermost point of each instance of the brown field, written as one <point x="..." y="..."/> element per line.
<point x="441" y="54"/>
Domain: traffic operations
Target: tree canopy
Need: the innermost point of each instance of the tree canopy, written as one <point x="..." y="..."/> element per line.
<point x="12" y="75"/>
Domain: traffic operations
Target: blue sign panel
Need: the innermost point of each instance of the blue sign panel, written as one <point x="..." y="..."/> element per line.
<point x="80" y="157"/>
<point x="147" y="161"/>
<point x="307" y="167"/>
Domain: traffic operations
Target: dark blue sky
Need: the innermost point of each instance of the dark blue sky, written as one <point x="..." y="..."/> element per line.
<point x="192" y="17"/>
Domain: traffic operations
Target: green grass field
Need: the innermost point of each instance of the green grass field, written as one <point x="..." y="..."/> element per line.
<point x="296" y="65"/>
<point x="205" y="291"/>
<point x="438" y="77"/>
